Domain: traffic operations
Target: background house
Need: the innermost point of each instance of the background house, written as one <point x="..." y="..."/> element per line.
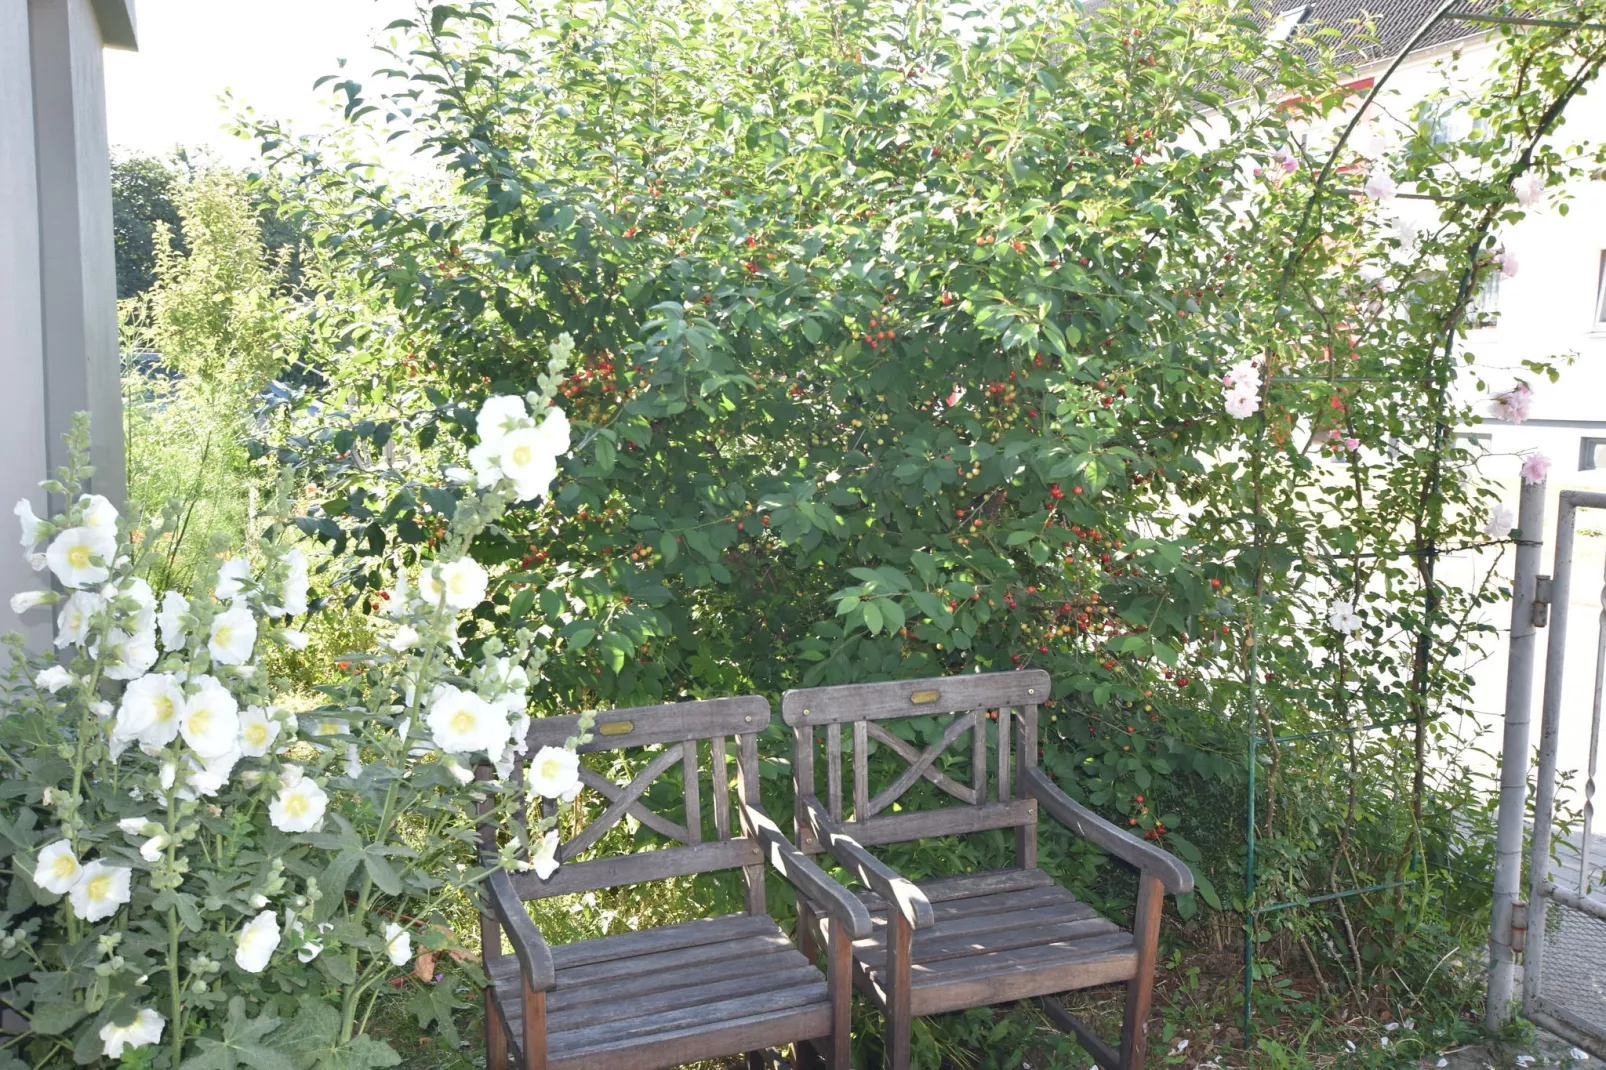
<point x="58" y="285"/>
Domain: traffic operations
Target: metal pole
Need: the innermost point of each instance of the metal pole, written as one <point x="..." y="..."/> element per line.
<point x="1514" y="753"/>
<point x="1594" y="752"/>
<point x="1549" y="740"/>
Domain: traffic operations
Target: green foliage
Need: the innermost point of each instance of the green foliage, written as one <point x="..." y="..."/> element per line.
<point x="144" y="194"/>
<point x="902" y="337"/>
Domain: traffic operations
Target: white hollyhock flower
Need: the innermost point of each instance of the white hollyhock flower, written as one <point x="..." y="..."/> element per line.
<point x="353" y="761"/>
<point x="100" y="514"/>
<point x="498" y="416"/>
<point x="73" y="554"/>
<point x="294" y="639"/>
<point x="1341" y="615"/>
<point x="396" y="598"/>
<point x="234" y="635"/>
<point x="167" y="775"/>
<point x="100" y="891"/>
<point x="462" y="722"/>
<point x="134" y="826"/>
<point x="72" y="623"/>
<point x="463" y="582"/>
<point x="311" y="946"/>
<point x="256" y="942"/>
<point x="545" y="859"/>
<point x="171" y="619"/>
<point x="460" y="772"/>
<point x="151" y="709"/>
<point x="299" y="806"/>
<point x="555" y="773"/>
<point x="529" y="455"/>
<point x="231" y="579"/>
<point x="398" y="945"/>
<point x="210" y="722"/>
<point x="146" y="1028"/>
<point x="406" y="638"/>
<point x="23" y="601"/>
<point x="487" y="469"/>
<point x="208" y="777"/>
<point x="152" y="849"/>
<point x="57" y="869"/>
<point x="1379" y="187"/>
<point x="29" y="522"/>
<point x="458" y="475"/>
<point x="53" y="679"/>
<point x="131" y="656"/>
<point x="102" y="709"/>
<point x="258" y="730"/>
<point x="1501" y="521"/>
<point x="145" y="598"/>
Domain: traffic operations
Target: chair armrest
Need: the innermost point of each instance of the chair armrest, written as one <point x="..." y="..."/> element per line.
<point x="535" y="958"/>
<point x="1152" y="860"/>
<point x="840" y="905"/>
<point x="899" y="892"/>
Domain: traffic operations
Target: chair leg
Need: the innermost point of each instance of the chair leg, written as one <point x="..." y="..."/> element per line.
<point x="534" y="1028"/>
<point x="839" y="981"/>
<point x="1140" y="990"/>
<point x="755" y="1060"/>
<point x="900" y="1023"/>
<point x="495" y="1034"/>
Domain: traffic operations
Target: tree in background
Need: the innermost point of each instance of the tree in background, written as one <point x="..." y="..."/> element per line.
<point x="145" y="192"/>
<point x="214" y="323"/>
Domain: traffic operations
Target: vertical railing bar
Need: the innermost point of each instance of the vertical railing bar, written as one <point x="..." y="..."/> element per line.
<point x="1512" y="814"/>
<point x="720" y="784"/>
<point x="694" y="805"/>
<point x="1006" y="727"/>
<point x="1594" y="748"/>
<point x="978" y="755"/>
<point x="861" y="769"/>
<point x="1549" y="740"/>
<point x="833" y="768"/>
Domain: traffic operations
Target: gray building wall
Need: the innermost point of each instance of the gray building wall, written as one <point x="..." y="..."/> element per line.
<point x="58" y="285"/>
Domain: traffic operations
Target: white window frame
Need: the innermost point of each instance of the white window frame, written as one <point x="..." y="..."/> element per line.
<point x="1599" y="315"/>
<point x="1588" y="447"/>
<point x="1284" y="25"/>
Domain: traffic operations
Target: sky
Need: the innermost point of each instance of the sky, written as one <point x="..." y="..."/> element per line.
<point x="268" y="54"/>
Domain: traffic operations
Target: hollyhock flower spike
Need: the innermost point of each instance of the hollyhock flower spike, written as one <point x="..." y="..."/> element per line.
<point x="1535" y="469"/>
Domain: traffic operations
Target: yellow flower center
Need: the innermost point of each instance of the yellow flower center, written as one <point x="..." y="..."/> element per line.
<point x="551" y="769"/>
<point x="463" y="721"/>
<point x="201" y="721"/>
<point x="256" y="734"/>
<point x="223" y="635"/>
<point x="457" y="583"/>
<point x="78" y="556"/>
<point x="64" y="867"/>
<point x="99" y="887"/>
<point x="523" y="455"/>
<point x="164" y="709"/>
<point x="296" y="805"/>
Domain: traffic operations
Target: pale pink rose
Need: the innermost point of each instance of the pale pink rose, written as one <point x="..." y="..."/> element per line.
<point x="1529" y="188"/>
<point x="1352" y="443"/>
<point x="1535" y="469"/>
<point x="1379" y="187"/>
<point x="1512" y="406"/>
<point x="1507" y="262"/>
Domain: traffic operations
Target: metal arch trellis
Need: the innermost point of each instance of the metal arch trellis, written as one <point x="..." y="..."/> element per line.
<point x="1429" y="552"/>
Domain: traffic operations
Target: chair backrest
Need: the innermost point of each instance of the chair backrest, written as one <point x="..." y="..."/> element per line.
<point x="681" y="730"/>
<point x="1011" y="697"/>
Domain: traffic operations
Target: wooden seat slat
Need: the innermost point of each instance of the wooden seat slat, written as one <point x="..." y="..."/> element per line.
<point x="678" y="958"/>
<point x="611" y="1002"/>
<point x="1026" y="899"/>
<point x="669" y="938"/>
<point x="696" y="1043"/>
<point x="752" y="969"/>
<point x="971" y="945"/>
<point x="977" y="926"/>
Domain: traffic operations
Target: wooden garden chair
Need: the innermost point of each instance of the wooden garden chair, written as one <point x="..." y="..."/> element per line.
<point x="982" y="938"/>
<point x="661" y="997"/>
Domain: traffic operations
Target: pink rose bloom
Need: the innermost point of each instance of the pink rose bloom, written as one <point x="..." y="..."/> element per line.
<point x="1535" y="469"/>
<point x="1379" y="187"/>
<point x="1352" y="443"/>
<point x="1529" y="188"/>
<point x="1507" y="262"/>
<point x="1512" y="405"/>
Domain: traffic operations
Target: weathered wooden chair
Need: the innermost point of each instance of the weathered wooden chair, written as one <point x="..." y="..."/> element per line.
<point x="661" y="997"/>
<point x="982" y="938"/>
